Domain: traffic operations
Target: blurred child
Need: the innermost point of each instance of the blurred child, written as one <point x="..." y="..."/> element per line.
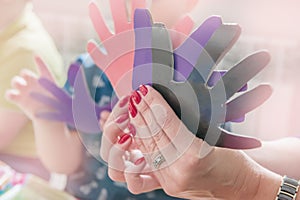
<point x="21" y="36"/>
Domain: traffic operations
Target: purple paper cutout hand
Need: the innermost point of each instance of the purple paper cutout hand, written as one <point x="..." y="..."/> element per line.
<point x="78" y="110"/>
<point x="214" y="78"/>
<point x="199" y="37"/>
<point x="233" y="81"/>
<point x="186" y="55"/>
<point x="206" y="34"/>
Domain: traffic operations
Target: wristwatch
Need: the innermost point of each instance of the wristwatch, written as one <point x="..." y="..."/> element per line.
<point x="288" y="189"/>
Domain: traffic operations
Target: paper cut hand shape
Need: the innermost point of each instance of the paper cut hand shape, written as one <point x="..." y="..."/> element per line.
<point x="78" y="110"/>
<point x="202" y="108"/>
<point x="116" y="54"/>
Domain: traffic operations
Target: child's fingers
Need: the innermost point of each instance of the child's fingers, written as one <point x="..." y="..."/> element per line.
<point x="30" y="77"/>
<point x="43" y="69"/>
<point x="18" y="83"/>
<point x="117" y="157"/>
<point x="12" y="95"/>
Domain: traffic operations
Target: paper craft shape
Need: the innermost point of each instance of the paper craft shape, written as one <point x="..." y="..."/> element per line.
<point x="191" y="64"/>
<point x="79" y="110"/>
<point x="115" y="55"/>
<point x="202" y="108"/>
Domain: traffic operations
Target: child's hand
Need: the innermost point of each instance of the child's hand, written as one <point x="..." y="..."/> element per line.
<point x="26" y="83"/>
<point x="78" y="109"/>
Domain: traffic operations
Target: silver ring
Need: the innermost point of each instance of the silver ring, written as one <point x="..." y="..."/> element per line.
<point x="158" y="160"/>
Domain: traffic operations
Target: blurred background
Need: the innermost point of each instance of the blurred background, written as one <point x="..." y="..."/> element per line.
<point x="266" y="24"/>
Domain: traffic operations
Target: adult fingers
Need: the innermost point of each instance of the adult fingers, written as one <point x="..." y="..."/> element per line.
<point x="103" y="118"/>
<point x="114" y="127"/>
<point x="161" y="136"/>
<point x="117" y="157"/>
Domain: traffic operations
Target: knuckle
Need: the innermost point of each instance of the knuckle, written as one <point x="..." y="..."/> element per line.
<point x="109" y="129"/>
<point x="105" y="129"/>
<point x="159" y="138"/>
<point x="152" y="147"/>
<point x="168" y="121"/>
<point x="154" y="127"/>
<point x="134" y="189"/>
<point x="143" y="107"/>
<point x="115" y="175"/>
<point x="138" y="143"/>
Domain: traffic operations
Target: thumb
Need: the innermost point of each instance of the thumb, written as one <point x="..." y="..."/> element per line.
<point x="43" y="69"/>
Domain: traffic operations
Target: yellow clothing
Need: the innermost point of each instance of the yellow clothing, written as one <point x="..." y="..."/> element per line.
<point x="19" y="43"/>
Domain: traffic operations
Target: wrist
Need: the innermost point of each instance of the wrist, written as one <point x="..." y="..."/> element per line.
<point x="268" y="185"/>
<point x="241" y="177"/>
<point x="251" y="181"/>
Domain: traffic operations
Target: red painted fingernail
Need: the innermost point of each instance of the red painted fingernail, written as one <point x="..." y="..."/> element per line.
<point x="131" y="130"/>
<point x="136" y="97"/>
<point x="121" y="118"/>
<point x="139" y="161"/>
<point x="143" y="90"/>
<point x="124" y="138"/>
<point x="132" y="109"/>
<point x="123" y="102"/>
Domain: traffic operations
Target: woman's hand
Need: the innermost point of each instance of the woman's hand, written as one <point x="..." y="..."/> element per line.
<point x="177" y="161"/>
<point x="117" y="145"/>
